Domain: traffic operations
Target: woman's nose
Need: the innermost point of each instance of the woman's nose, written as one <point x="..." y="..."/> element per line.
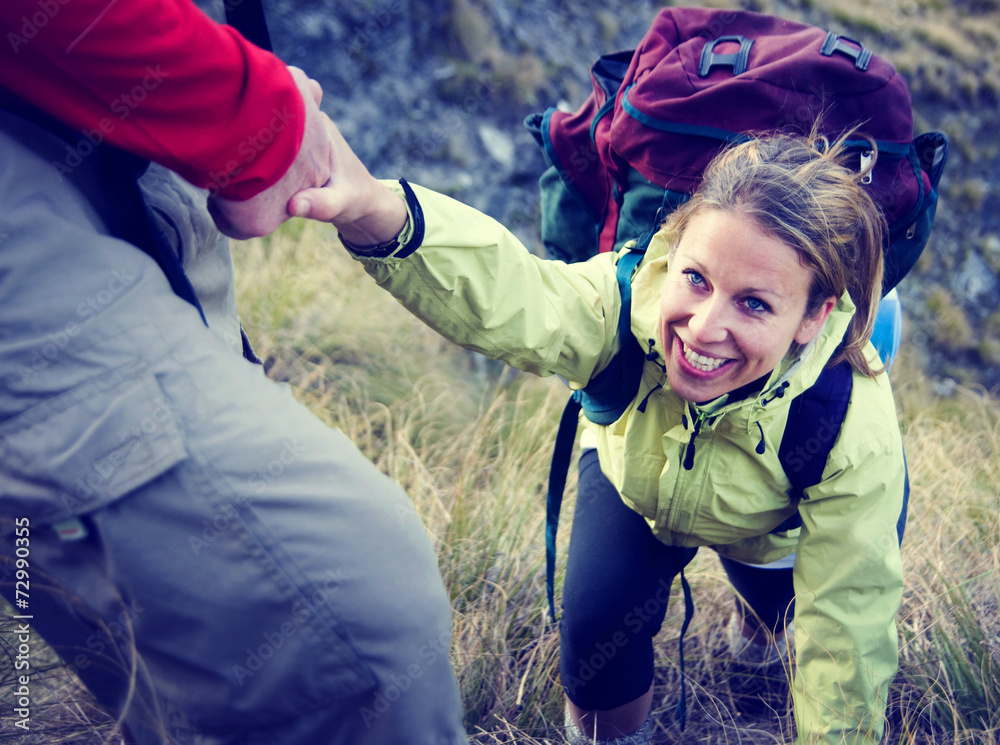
<point x="708" y="322"/>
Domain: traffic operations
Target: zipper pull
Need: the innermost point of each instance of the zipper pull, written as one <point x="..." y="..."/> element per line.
<point x="689" y="449"/>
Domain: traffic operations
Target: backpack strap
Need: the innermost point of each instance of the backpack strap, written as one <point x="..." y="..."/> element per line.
<point x="815" y="418"/>
<point x="248" y="18"/>
<point x="609" y="393"/>
<point x="562" y="453"/>
<point x="137" y="224"/>
<point x="602" y="401"/>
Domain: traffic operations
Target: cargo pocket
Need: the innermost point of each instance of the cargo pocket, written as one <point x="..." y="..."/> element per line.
<point x="87" y="447"/>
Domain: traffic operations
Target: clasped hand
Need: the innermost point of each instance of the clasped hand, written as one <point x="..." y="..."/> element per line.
<point x="326" y="182"/>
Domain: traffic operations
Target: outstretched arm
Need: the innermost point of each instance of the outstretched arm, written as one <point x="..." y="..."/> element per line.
<point x="468" y="277"/>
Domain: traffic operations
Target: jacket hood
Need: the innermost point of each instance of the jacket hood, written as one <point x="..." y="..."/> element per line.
<point x="791" y="377"/>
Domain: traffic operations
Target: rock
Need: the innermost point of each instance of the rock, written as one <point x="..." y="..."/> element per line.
<point x="976" y="284"/>
<point x="498" y="144"/>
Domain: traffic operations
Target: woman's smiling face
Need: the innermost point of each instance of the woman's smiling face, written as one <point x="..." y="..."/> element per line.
<point x="733" y="302"/>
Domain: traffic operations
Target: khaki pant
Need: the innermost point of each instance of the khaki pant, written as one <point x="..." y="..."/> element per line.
<point x="244" y="564"/>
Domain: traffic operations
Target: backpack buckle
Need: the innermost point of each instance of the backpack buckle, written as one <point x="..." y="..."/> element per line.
<point x="834" y="43"/>
<point x="737" y="60"/>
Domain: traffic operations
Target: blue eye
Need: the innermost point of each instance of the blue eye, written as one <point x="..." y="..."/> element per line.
<point x="694" y="277"/>
<point x="757" y="305"/>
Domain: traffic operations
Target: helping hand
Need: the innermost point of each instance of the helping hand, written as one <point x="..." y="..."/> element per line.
<point x="364" y="210"/>
<point x="264" y="213"/>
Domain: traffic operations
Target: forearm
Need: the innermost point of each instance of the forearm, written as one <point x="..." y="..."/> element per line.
<point x="466" y="276"/>
<point x="472" y="281"/>
<point x="384" y="221"/>
<point x="842" y="679"/>
<point x="160" y="79"/>
<point x="848" y="583"/>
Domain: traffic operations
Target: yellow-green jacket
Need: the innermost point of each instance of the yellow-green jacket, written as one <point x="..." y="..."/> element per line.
<point x="477" y="285"/>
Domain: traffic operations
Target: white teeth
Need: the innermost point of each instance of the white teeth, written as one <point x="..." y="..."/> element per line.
<point x="705" y="364"/>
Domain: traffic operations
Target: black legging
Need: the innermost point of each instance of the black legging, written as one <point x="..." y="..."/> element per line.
<point x="618" y="579"/>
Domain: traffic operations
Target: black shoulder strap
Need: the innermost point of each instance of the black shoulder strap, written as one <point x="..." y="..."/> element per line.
<point x="815" y="418"/>
<point x="603" y="401"/>
<point x="135" y="223"/>
<point x="247" y="17"/>
<point x="562" y="453"/>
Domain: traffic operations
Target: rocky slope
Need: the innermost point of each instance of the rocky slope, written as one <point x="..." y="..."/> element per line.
<point x="436" y="91"/>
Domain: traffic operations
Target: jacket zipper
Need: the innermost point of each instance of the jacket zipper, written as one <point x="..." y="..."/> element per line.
<point x="689" y="448"/>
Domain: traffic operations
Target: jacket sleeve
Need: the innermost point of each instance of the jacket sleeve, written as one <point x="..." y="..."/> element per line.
<point x="472" y="281"/>
<point x="848" y="578"/>
<point x="159" y="79"/>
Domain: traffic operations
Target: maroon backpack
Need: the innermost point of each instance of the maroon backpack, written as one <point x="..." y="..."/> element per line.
<point x="702" y="78"/>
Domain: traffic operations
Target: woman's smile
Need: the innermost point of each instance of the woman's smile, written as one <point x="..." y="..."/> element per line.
<point x="699" y="362"/>
<point x="733" y="302"/>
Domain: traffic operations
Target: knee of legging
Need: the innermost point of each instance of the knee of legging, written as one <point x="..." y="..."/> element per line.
<point x="605" y="674"/>
<point x="590" y="626"/>
<point x="583" y="623"/>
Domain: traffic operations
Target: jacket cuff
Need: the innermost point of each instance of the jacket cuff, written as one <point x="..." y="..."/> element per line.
<point x="410" y="237"/>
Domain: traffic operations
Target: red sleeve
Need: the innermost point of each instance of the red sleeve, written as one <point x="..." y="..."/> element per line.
<point x="160" y="79"/>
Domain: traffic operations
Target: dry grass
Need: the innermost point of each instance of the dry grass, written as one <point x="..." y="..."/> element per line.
<point x="471" y="446"/>
<point x="62" y="713"/>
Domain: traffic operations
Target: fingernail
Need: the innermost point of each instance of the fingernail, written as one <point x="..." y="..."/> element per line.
<point x="301" y="207"/>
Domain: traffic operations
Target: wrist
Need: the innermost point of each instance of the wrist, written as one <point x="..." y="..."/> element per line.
<point x="380" y="223"/>
<point x="369" y="236"/>
<point x="381" y="249"/>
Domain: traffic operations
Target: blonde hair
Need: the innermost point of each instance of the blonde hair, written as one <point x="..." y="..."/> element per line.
<point x="799" y="191"/>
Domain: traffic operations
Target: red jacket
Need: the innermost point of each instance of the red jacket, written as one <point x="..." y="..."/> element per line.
<point x="160" y="79"/>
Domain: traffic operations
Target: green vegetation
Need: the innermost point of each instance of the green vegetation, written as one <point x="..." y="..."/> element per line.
<point x="951" y="327"/>
<point x="470" y="442"/>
